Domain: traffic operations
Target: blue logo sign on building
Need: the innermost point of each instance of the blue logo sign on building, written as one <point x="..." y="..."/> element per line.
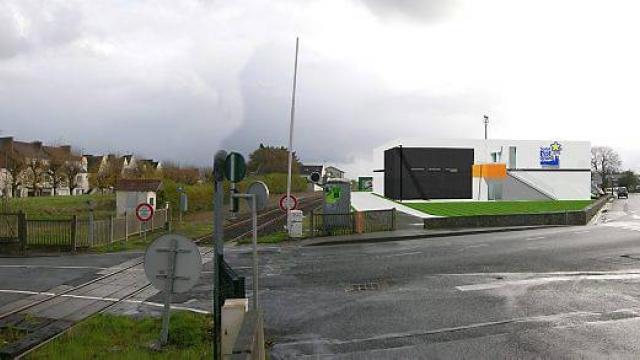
<point x="550" y="155"/>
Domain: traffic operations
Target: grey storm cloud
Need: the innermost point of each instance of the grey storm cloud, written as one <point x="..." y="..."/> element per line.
<point x="27" y="25"/>
<point x="341" y="113"/>
<point x="178" y="80"/>
<point x="419" y="10"/>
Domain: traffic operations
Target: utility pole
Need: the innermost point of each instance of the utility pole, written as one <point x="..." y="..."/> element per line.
<point x="486" y="125"/>
<point x="293" y="109"/>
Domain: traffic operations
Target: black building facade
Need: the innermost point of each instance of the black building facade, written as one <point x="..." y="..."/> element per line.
<point x="428" y="173"/>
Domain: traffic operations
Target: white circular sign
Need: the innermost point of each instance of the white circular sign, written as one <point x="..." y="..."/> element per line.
<point x="261" y="191"/>
<point x="288" y="204"/>
<point x="187" y="266"/>
<point x="144" y="212"/>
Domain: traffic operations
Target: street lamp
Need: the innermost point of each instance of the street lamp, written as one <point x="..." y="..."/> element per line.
<point x="486" y="124"/>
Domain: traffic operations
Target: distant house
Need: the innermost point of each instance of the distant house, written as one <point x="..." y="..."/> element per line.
<point x="306" y="170"/>
<point x="34" y="169"/>
<point x="326" y="172"/>
<point x="132" y="192"/>
<point x="333" y="172"/>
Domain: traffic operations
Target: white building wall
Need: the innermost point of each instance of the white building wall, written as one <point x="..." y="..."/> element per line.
<point x="127" y="201"/>
<point x="564" y="185"/>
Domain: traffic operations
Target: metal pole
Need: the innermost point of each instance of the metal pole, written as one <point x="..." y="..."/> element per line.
<point x="218" y="213"/>
<point x="254" y="212"/>
<point x="293" y="108"/>
<point x="168" y="291"/>
<point x="110" y="229"/>
<point x="91" y="228"/>
<point x="486" y="124"/>
<point x="401" y="171"/>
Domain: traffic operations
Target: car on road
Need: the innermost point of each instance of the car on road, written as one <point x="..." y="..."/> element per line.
<point x="623" y="192"/>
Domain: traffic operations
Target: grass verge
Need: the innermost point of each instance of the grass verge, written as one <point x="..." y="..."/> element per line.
<point x="273" y="238"/>
<point x="471" y="208"/>
<point x="106" y="336"/>
<point x="64" y="207"/>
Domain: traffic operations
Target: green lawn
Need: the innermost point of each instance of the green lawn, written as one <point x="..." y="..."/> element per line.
<point x="470" y="208"/>
<point x="273" y="238"/>
<point x="105" y="336"/>
<point x="63" y="207"/>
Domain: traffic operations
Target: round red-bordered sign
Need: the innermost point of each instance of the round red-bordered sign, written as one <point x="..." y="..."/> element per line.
<point x="283" y="201"/>
<point x="144" y="212"/>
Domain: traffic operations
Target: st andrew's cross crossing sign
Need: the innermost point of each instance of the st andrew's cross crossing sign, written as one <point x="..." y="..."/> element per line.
<point x="235" y="167"/>
<point x="144" y="212"/>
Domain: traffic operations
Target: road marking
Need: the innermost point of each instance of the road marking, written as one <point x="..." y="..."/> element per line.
<point x="582" y="232"/>
<point x="100" y="298"/>
<point x="536" y="238"/>
<point x="545" y="280"/>
<point x="472" y="247"/>
<point x="25" y="266"/>
<point x="625" y="225"/>
<point x="403" y="254"/>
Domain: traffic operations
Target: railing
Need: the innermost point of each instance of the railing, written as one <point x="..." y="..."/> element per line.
<point x="9" y="227"/>
<point x="332" y="224"/>
<point x="49" y="232"/>
<point x="106" y="231"/>
<point x="17" y="229"/>
<point x="356" y="222"/>
<point x="232" y="283"/>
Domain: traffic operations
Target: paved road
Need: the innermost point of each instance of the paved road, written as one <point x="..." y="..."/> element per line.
<point x="569" y="292"/>
<point x="553" y="293"/>
<point x="44" y="273"/>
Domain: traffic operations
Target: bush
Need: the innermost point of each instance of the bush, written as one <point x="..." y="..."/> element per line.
<point x="200" y="196"/>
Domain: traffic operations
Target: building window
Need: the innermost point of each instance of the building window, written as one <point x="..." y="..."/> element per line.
<point x="151" y="200"/>
<point x="512" y="157"/>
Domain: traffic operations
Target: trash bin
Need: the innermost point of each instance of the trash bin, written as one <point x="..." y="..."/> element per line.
<point x="296" y="224"/>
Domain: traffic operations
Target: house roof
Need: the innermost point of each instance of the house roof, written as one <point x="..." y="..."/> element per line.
<point x="334" y="168"/>
<point x="138" y="185"/>
<point x="308" y="169"/>
<point x="93" y="162"/>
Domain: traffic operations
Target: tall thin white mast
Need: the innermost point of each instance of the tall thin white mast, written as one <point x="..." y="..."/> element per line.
<point x="290" y="148"/>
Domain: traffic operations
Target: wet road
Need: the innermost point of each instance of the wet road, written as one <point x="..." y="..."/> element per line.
<point x="571" y="292"/>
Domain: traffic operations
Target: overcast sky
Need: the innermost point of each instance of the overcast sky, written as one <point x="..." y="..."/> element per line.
<point x="178" y="79"/>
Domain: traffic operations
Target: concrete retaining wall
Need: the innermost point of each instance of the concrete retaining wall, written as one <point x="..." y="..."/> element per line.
<point x="581" y="217"/>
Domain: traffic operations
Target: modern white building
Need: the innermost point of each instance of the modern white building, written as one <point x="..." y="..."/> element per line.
<point x="477" y="169"/>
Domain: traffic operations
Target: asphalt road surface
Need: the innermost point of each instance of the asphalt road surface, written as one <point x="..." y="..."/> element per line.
<point x="570" y="292"/>
<point x="19" y="276"/>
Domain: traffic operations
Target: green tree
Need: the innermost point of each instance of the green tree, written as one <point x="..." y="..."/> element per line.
<point x="629" y="180"/>
<point x="272" y="159"/>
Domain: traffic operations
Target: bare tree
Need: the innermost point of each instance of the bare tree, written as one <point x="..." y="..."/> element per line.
<point x="604" y="161"/>
<point x="37" y="175"/>
<point x="72" y="169"/>
<point x="56" y="169"/>
<point x="15" y="167"/>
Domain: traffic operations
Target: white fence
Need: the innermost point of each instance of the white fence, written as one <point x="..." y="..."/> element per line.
<point x="106" y="231"/>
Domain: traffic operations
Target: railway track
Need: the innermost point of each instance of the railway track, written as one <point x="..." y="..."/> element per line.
<point x="269" y="220"/>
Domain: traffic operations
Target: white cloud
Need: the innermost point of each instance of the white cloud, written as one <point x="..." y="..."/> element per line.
<point x="179" y="79"/>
